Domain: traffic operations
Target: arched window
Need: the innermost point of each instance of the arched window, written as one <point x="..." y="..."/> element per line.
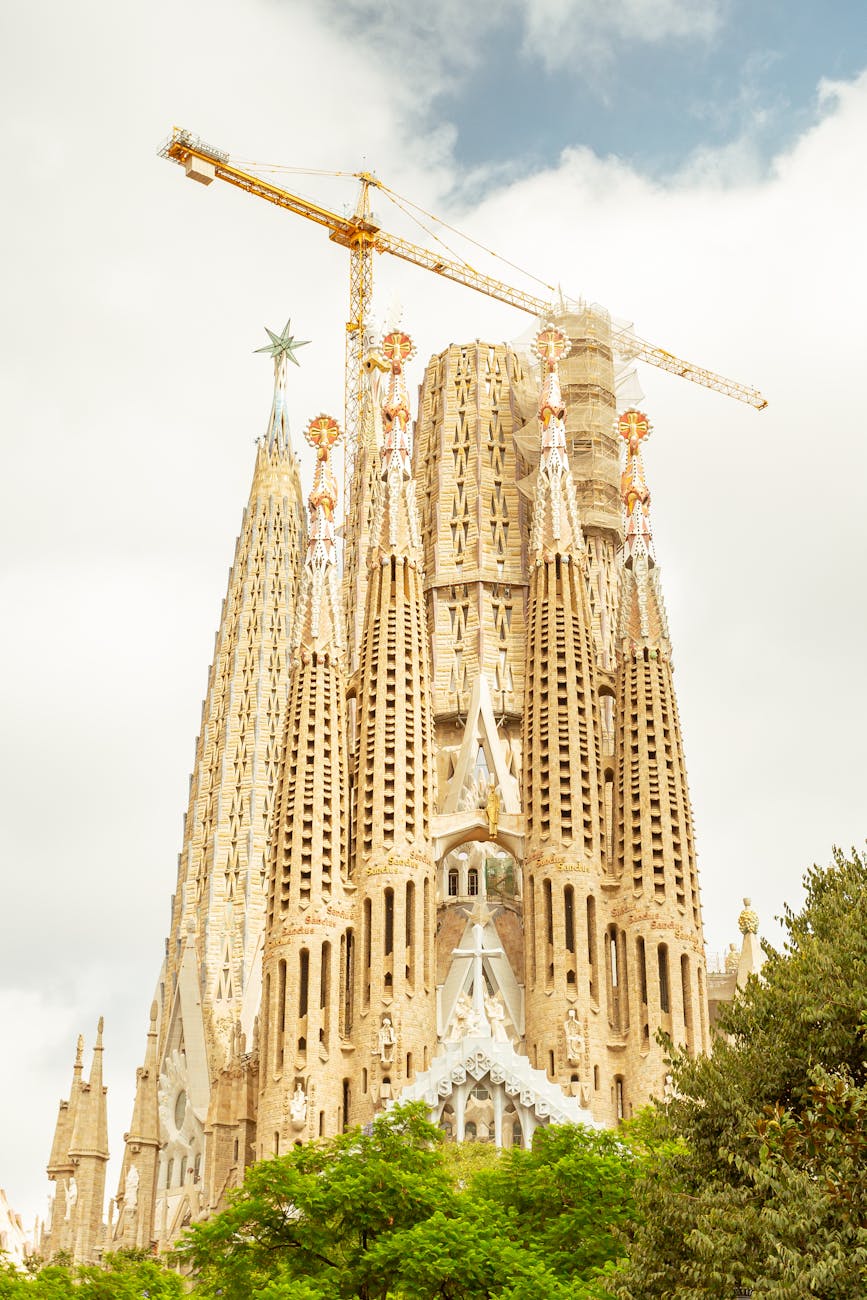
<point x="472" y="882"/>
<point x="470" y="1131"/>
<point x="453" y="882"/>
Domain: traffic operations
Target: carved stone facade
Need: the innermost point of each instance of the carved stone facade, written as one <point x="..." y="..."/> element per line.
<point x="459" y="864"/>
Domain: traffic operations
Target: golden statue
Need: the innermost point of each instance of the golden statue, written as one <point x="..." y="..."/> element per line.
<point x="492" y="809"/>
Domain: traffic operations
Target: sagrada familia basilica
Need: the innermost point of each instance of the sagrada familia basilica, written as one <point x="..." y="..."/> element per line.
<point x="439" y="844"/>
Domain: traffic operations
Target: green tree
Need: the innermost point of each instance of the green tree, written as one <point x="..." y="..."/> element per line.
<point x="765" y="1187"/>
<point x="392" y="1213"/>
<point x="314" y="1216"/>
<point x="125" y="1275"/>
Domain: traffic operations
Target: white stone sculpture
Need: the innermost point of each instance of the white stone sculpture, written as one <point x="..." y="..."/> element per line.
<point x="130" y="1188"/>
<point x="460" y="1019"/>
<point x="387" y="1040"/>
<point x="71" y="1197"/>
<point x="574" y="1037"/>
<point x="496" y="1014"/>
<point x="298" y="1107"/>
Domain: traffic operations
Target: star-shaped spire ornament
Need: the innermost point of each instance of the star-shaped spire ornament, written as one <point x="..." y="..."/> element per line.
<point x="284" y="344"/>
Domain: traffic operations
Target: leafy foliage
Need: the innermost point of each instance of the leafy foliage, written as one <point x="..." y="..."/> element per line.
<point x="126" y="1275"/>
<point x="767" y="1189"/>
<point x="392" y="1213"/>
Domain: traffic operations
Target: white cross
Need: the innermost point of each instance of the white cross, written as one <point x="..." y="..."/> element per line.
<point x="478" y="952"/>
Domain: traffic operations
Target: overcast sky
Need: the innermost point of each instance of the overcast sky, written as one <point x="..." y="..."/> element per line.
<point x="696" y="166"/>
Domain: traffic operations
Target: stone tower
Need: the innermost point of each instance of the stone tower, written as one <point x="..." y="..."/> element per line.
<point x="304" y="1002"/>
<point x="562" y="759"/>
<point x="391" y="860"/>
<point x="657" y="975"/>
<point x="210" y="986"/>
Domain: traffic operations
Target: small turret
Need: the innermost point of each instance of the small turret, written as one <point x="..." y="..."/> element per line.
<point x="137" y="1187"/>
<point x="88" y="1154"/>
<point x="61" y="1171"/>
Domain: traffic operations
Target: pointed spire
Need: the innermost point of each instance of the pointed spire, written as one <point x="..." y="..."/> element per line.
<point x="145" y="1117"/>
<point x="642" y="610"/>
<point x="633" y="427"/>
<point x="556" y="526"/>
<point x="396" y="527"/>
<point x="59" y="1157"/>
<point x="318" y="624"/>
<point x="282" y="348"/>
<point x="90" y="1131"/>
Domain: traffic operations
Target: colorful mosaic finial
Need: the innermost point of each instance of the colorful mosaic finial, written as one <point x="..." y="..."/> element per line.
<point x="397" y="349"/>
<point x="317" y="620"/>
<point x="556" y="515"/>
<point x="633" y="427"/>
<point x="322" y="433"/>
<point x="395" y="524"/>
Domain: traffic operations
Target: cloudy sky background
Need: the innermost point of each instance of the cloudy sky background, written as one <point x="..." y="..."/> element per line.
<point x="696" y="166"/>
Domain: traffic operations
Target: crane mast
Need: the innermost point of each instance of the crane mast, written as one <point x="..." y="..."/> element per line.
<point x="362" y="237"/>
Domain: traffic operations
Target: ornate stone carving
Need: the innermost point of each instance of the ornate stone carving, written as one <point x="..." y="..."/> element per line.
<point x="298" y="1107"/>
<point x="574" y="1038"/>
<point x="748" y="921"/>
<point x="130" y="1189"/>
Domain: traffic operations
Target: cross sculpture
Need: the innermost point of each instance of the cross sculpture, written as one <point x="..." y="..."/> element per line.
<point x="479" y="916"/>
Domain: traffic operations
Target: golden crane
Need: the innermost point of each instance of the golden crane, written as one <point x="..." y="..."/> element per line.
<point x="361" y="234"/>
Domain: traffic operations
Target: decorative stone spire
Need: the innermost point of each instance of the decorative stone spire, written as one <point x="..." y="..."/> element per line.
<point x="282" y="348"/>
<point x="318" y="618"/>
<point x="307" y="955"/>
<point x="634" y="427"/>
<point x="59" y="1158"/>
<point x="396" y="529"/>
<point x="88" y="1152"/>
<point x="90" y="1130"/>
<point x="137" y="1187"/>
<point x="751" y="958"/>
<point x="214" y="947"/>
<point x="556" y="526"/>
<point x="562" y="766"/>
<point x="394" y="790"/>
<point x="654" y="847"/>
<point x="61" y="1169"/>
<point x="562" y="776"/>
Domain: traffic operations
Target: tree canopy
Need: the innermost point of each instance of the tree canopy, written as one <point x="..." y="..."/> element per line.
<point x="389" y="1213"/>
<point x="765" y="1188"/>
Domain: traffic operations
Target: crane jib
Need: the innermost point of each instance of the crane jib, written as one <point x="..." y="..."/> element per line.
<point x="360" y="234"/>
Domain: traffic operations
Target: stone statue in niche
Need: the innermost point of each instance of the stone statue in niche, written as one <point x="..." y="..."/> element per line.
<point x="298" y="1106"/>
<point x="496" y="1014"/>
<point x="387" y="1040"/>
<point x="130" y="1188"/>
<point x="71" y="1197"/>
<point x="574" y="1037"/>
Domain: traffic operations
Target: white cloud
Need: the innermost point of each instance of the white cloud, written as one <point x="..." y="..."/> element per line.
<point x="558" y="31"/>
